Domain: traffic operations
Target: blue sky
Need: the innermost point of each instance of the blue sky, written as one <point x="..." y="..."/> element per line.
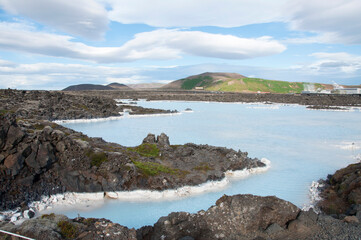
<point x="51" y="44"/>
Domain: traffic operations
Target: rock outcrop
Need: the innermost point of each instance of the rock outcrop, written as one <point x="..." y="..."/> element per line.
<point x="55" y="227"/>
<point x="53" y="105"/>
<point x="233" y="217"/>
<point x="341" y="194"/>
<point x="41" y="158"/>
<point x="239" y="217"/>
<point x="244" y="217"/>
<point x="321" y="101"/>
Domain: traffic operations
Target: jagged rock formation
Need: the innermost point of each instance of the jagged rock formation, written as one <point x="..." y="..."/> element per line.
<point x="42" y="158"/>
<point x="239" y="217"/>
<point x="243" y="217"/>
<point x="55" y="227"/>
<point x="46" y="105"/>
<point x="342" y="192"/>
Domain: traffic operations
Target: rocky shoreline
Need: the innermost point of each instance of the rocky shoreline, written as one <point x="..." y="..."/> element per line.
<point x="41" y="158"/>
<point x="232" y="217"/>
<point x="316" y="101"/>
<point x="54" y="105"/>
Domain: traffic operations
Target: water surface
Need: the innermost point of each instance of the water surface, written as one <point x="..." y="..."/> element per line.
<point x="303" y="145"/>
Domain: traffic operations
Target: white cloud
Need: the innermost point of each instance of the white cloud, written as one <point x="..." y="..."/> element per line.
<point x="333" y="63"/>
<point x="190" y="13"/>
<point x="56" y="75"/>
<point x="160" y="44"/>
<point x="133" y="79"/>
<point x="86" y="18"/>
<point x="336" y="21"/>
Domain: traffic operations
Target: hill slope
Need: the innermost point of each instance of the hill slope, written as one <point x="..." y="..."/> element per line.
<point x="88" y="87"/>
<point x="201" y="80"/>
<point x="233" y="82"/>
<point x="118" y="86"/>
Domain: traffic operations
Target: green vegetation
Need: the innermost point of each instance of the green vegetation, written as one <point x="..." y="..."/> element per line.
<point x="84" y="138"/>
<point x="39" y="126"/>
<point x="3" y="112"/>
<point x="201" y="81"/>
<point x="257" y="84"/>
<point x="96" y="159"/>
<point x="82" y="106"/>
<point x="203" y="167"/>
<point x="90" y="221"/>
<point x="146" y="150"/>
<point x="48" y="216"/>
<point x="319" y="86"/>
<point x="153" y="169"/>
<point x="67" y="230"/>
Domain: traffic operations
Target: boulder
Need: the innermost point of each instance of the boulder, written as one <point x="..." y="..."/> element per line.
<point x="150" y="138"/>
<point x="32" y="163"/>
<point x="297" y="226"/>
<point x="60" y="147"/>
<point x="14" y="136"/>
<point x="57" y="135"/>
<point x="28" y="214"/>
<point x="45" y="155"/>
<point x="274" y="228"/>
<point x="351" y="219"/>
<point x="47" y="132"/>
<point x="240" y="215"/>
<point x="14" y="163"/>
<point x="2" y="137"/>
<point x="163" y="140"/>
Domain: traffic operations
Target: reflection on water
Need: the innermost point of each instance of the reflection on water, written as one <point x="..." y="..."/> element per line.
<point x="302" y="145"/>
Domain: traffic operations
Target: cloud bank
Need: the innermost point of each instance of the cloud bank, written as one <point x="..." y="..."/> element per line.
<point x="85" y="18"/>
<point x="162" y="44"/>
<point x="334" y="21"/>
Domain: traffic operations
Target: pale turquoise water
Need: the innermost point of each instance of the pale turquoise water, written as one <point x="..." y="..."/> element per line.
<point x="302" y="145"/>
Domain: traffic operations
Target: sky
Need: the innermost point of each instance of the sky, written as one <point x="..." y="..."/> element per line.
<point x="51" y="44"/>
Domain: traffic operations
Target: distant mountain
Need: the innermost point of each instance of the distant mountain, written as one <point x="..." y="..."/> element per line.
<point x="234" y="82"/>
<point x="88" y="87"/>
<point x="146" y="85"/>
<point x="118" y="86"/>
<point x="201" y="80"/>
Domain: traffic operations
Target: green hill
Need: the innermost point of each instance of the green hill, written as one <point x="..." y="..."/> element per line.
<point x="233" y="82"/>
<point x="257" y="85"/>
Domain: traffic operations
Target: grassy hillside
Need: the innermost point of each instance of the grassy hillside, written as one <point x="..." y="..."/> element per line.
<point x="255" y="85"/>
<point x="234" y="82"/>
<point x="201" y="81"/>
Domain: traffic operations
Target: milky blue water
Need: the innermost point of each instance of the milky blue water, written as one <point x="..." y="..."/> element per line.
<point x="302" y="145"/>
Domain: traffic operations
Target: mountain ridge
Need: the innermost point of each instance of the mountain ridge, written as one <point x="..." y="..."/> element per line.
<point x="234" y="82"/>
<point x="92" y="87"/>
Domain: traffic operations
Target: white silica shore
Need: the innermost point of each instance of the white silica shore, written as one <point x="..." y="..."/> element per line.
<point x="314" y="195"/>
<point x="125" y="115"/>
<point x="84" y="200"/>
<point x="89" y="120"/>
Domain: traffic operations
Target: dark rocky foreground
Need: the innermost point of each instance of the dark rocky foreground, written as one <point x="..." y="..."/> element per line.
<point x="341" y="193"/>
<point x="40" y="158"/>
<point x="233" y="217"/>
